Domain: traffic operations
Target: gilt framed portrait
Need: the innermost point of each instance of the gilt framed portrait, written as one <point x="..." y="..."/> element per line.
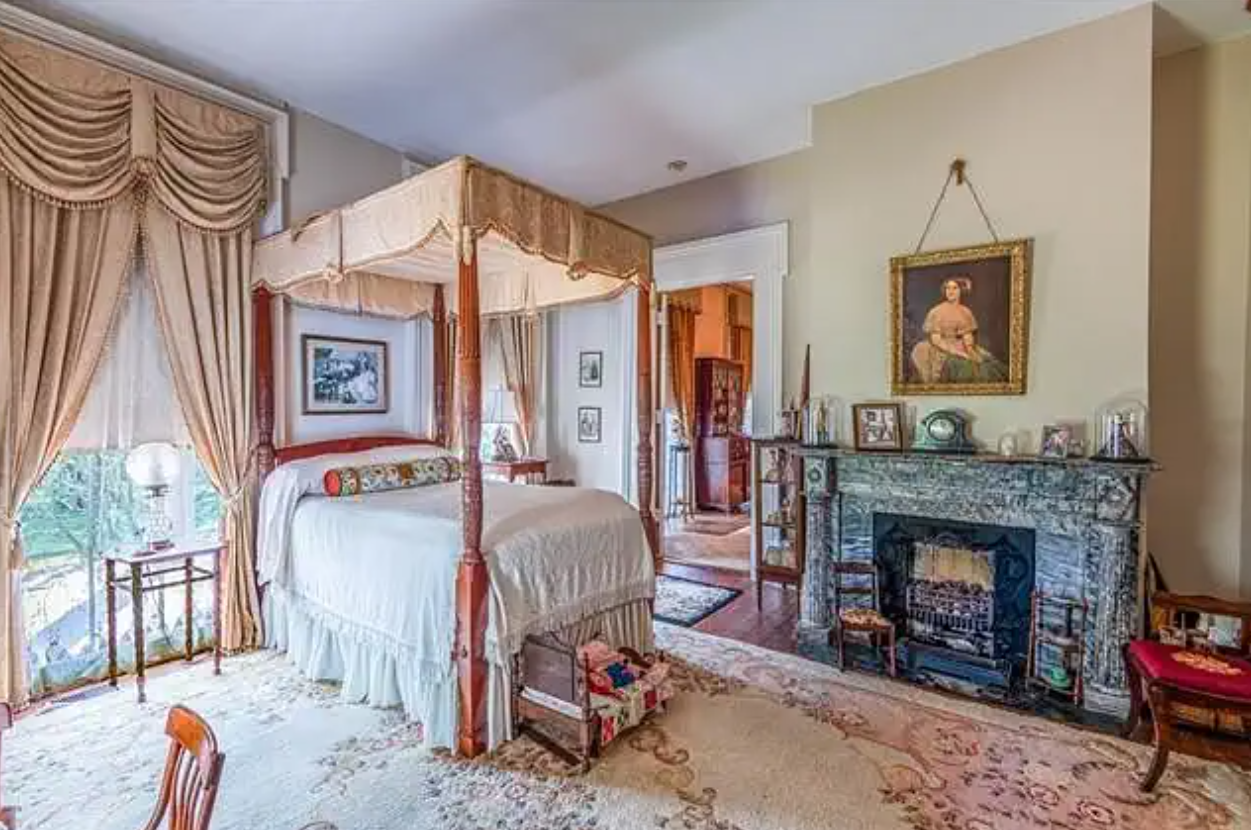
<point x="960" y="320"/>
<point x="344" y="376"/>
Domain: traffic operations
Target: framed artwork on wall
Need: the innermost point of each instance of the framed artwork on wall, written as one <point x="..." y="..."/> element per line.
<point x="878" y="426"/>
<point x="591" y="369"/>
<point x="590" y="422"/>
<point x="344" y="376"/>
<point x="960" y="320"/>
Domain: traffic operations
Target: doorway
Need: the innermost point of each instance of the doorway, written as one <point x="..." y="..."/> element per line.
<point x="756" y="262"/>
<point x="706" y="359"/>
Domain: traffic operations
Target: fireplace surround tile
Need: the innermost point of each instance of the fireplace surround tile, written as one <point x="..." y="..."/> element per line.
<point x="1086" y="517"/>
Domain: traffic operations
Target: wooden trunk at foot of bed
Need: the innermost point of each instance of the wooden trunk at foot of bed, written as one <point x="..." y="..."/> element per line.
<point x="471" y="581"/>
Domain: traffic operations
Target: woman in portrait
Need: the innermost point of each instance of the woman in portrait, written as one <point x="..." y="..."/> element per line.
<point x="949" y="352"/>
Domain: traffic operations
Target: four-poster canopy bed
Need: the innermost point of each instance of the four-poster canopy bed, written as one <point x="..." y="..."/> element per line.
<point x="504" y="245"/>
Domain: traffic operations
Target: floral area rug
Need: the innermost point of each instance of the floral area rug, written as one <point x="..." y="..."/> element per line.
<point x="754" y="741"/>
<point x="685" y="601"/>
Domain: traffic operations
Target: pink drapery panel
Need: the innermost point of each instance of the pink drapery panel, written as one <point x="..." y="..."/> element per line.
<point x="518" y="338"/>
<point x="682" y="367"/>
<point x="204" y="301"/>
<point x="61" y="277"/>
<point x="83" y="144"/>
<point x="77" y="132"/>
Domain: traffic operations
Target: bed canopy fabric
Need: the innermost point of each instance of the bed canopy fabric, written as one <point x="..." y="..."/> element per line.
<point x="384" y="254"/>
<point x="459" y="242"/>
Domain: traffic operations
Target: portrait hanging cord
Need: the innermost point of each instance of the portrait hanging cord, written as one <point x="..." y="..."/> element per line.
<point x="958" y="170"/>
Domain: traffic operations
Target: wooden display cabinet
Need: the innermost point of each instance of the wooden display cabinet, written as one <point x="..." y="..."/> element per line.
<point x="779" y="521"/>
<point x="722" y="455"/>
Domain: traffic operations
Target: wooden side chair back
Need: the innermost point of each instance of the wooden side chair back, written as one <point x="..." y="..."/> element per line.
<point x="193" y="770"/>
<point x="858" y="617"/>
<point x="1199" y="701"/>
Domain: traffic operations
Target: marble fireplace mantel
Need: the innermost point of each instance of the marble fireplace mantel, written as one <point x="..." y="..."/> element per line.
<point x="1086" y="515"/>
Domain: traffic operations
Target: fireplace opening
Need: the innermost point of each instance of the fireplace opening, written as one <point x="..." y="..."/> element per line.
<point x="959" y="594"/>
<point x="951" y="598"/>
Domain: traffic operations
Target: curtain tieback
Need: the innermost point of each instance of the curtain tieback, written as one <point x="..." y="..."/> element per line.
<point x="10" y="526"/>
<point x="232" y="499"/>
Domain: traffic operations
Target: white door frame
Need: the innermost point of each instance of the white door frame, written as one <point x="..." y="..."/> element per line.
<point x="761" y="255"/>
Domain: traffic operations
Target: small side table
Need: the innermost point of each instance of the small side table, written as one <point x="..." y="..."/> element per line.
<point x="530" y="468"/>
<point x="169" y="567"/>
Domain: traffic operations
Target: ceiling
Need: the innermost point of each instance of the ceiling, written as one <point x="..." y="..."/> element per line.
<point x="591" y="98"/>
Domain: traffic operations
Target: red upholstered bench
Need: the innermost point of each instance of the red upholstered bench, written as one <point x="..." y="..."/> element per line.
<point x="1200" y="701"/>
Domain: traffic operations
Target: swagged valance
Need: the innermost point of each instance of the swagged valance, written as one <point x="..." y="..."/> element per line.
<point x="82" y="134"/>
<point x="383" y="254"/>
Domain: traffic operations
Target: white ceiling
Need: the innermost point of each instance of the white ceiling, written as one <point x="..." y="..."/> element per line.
<point x="589" y="97"/>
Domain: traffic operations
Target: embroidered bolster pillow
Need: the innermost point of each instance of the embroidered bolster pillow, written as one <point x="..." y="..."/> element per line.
<point x="396" y="475"/>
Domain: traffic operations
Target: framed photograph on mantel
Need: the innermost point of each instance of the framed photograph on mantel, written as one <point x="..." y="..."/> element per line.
<point x="344" y="376"/>
<point x="878" y="426"/>
<point x="960" y="320"/>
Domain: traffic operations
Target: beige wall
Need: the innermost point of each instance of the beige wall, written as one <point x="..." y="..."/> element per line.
<point x="1201" y="224"/>
<point x="331" y="166"/>
<point x="1057" y="132"/>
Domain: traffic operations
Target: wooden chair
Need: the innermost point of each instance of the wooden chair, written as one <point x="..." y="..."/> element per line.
<point x="193" y="770"/>
<point x="8" y="815"/>
<point x="1199" y="700"/>
<point x="858" y="619"/>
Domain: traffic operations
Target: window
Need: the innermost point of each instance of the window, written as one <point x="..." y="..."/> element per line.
<point x="86" y="505"/>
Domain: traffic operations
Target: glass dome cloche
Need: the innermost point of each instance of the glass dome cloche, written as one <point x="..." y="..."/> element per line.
<point x="1121" y="431"/>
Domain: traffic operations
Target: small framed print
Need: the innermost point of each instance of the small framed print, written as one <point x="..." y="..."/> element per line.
<point x="878" y="426"/>
<point x="590" y="422"/>
<point x="1056" y="439"/>
<point x="344" y="376"/>
<point x="591" y="369"/>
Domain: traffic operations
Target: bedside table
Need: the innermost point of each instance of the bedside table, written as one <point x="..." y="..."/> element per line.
<point x="170" y="568"/>
<point x="530" y="468"/>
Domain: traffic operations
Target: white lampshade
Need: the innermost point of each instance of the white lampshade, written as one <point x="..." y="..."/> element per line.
<point x="153" y="465"/>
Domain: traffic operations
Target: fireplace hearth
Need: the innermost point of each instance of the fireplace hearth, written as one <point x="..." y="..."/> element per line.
<point x="962" y="542"/>
<point x="960" y="592"/>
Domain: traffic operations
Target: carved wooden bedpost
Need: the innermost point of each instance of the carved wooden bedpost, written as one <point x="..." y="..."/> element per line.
<point x="263" y="362"/>
<point x="471" y="581"/>
<point x="646" y="424"/>
<point x="438" y="317"/>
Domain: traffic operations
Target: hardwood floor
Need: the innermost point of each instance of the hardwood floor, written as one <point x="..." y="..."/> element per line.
<point x="772" y="627"/>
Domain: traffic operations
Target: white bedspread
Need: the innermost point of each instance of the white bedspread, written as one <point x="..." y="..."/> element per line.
<point x="385" y="563"/>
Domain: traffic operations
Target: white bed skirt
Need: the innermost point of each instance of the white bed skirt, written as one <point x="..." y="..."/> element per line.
<point x="372" y="668"/>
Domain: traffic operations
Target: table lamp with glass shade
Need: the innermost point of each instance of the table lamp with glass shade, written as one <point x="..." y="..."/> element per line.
<point x="501" y="445"/>
<point x="154" y="468"/>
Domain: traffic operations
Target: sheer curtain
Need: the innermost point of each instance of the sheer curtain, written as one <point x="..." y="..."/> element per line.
<point x="518" y="338"/>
